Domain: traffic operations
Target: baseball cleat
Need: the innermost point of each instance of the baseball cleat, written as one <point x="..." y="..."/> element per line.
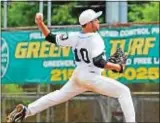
<point x="17" y="115"/>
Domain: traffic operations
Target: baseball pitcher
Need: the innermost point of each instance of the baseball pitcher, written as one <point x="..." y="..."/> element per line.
<point x="89" y="52"/>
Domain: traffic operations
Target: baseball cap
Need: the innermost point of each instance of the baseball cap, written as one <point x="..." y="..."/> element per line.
<point x="88" y="15"/>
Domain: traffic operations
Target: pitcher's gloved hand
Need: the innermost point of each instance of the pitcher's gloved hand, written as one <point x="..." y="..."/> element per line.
<point x="118" y="58"/>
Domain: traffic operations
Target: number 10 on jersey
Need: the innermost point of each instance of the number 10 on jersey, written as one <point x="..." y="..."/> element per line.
<point x="81" y="54"/>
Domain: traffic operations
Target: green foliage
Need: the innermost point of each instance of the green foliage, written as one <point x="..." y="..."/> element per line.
<point x="148" y="12"/>
<point x="2" y="17"/>
<point x="12" y="88"/>
<point x="21" y="14"/>
<point x="64" y="14"/>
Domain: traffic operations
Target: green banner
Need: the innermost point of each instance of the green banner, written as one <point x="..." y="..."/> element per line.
<point x="27" y="58"/>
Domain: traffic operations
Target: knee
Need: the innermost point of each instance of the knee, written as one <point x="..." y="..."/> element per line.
<point x="125" y="91"/>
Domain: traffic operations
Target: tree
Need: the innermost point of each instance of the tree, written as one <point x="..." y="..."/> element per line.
<point x="147" y="12"/>
<point x="12" y="88"/>
<point x="21" y="14"/>
<point x="64" y="14"/>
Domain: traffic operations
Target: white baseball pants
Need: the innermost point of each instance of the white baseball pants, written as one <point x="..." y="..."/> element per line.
<point x="81" y="82"/>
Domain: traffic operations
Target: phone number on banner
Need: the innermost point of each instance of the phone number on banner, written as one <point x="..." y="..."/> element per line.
<point x="130" y="73"/>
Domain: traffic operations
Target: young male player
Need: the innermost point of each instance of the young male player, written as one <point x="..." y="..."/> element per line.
<point x="88" y="48"/>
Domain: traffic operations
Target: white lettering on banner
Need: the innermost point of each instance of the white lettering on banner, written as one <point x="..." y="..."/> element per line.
<point x="156" y="60"/>
<point x="132" y="32"/>
<point x="129" y="61"/>
<point x="36" y="35"/>
<point x="110" y="33"/>
<point x="142" y="61"/>
<point x="155" y="30"/>
<point x="59" y="63"/>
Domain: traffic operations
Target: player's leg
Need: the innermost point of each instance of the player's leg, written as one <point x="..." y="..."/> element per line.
<point x="110" y="87"/>
<point x="113" y="88"/>
<point x="69" y="90"/>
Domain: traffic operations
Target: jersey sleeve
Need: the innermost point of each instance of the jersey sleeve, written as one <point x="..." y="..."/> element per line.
<point x="97" y="46"/>
<point x="65" y="40"/>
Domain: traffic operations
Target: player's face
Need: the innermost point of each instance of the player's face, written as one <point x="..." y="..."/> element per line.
<point x="92" y="26"/>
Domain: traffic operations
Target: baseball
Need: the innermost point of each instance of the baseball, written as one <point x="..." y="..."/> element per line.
<point x="39" y="15"/>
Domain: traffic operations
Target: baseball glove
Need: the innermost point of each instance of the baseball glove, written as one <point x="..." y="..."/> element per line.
<point x="118" y="58"/>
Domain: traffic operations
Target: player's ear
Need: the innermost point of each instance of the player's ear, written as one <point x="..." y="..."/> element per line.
<point x="83" y="26"/>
